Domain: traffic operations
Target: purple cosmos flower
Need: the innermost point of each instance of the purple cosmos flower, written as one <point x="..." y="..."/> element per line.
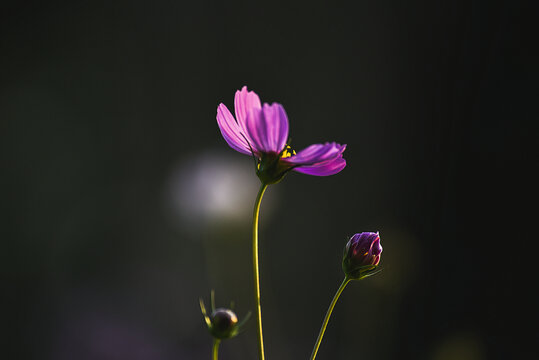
<point x="362" y="255"/>
<point x="262" y="131"/>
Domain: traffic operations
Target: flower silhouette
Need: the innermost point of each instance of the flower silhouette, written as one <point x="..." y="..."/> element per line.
<point x="262" y="131"/>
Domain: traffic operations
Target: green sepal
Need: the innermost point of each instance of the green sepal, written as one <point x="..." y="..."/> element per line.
<point x="362" y="272"/>
<point x="204" y="313"/>
<point x="244" y="321"/>
<point x="270" y="170"/>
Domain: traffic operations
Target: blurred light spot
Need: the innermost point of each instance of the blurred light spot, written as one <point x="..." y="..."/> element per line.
<point x="461" y="346"/>
<point x="213" y="189"/>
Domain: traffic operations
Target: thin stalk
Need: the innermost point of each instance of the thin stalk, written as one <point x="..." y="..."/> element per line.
<point x="215" y="350"/>
<point x="328" y="315"/>
<point x="256" y="271"/>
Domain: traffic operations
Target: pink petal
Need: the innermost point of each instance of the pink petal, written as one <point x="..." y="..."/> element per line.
<point x="319" y="159"/>
<point x="323" y="169"/>
<point x="267" y="128"/>
<point x="244" y="102"/>
<point x="231" y="131"/>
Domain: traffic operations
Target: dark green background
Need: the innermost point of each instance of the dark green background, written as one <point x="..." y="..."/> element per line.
<point x="102" y="103"/>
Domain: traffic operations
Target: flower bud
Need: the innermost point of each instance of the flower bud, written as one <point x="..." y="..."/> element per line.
<point x="223" y="323"/>
<point x="362" y="255"/>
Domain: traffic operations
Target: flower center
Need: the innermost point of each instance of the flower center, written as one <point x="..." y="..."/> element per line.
<point x="270" y="169"/>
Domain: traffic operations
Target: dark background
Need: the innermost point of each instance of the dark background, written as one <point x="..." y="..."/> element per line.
<point x="112" y="160"/>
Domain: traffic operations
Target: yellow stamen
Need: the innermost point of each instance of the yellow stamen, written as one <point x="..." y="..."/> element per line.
<point x="287" y="152"/>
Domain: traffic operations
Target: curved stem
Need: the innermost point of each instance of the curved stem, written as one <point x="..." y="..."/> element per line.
<point x="328" y="315"/>
<point x="215" y="350"/>
<point x="256" y="271"/>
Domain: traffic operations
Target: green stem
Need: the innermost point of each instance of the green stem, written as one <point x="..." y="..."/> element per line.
<point x="328" y="315"/>
<point x="215" y="350"/>
<point x="256" y="271"/>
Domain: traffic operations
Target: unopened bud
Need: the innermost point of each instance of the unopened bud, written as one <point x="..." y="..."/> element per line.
<point x="362" y="255"/>
<point x="223" y="323"/>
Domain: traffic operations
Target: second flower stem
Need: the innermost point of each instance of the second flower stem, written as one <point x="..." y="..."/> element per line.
<point x="328" y="315"/>
<point x="256" y="271"/>
<point x="215" y="350"/>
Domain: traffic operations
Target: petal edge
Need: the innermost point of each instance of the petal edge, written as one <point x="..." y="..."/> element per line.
<point x="231" y="131"/>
